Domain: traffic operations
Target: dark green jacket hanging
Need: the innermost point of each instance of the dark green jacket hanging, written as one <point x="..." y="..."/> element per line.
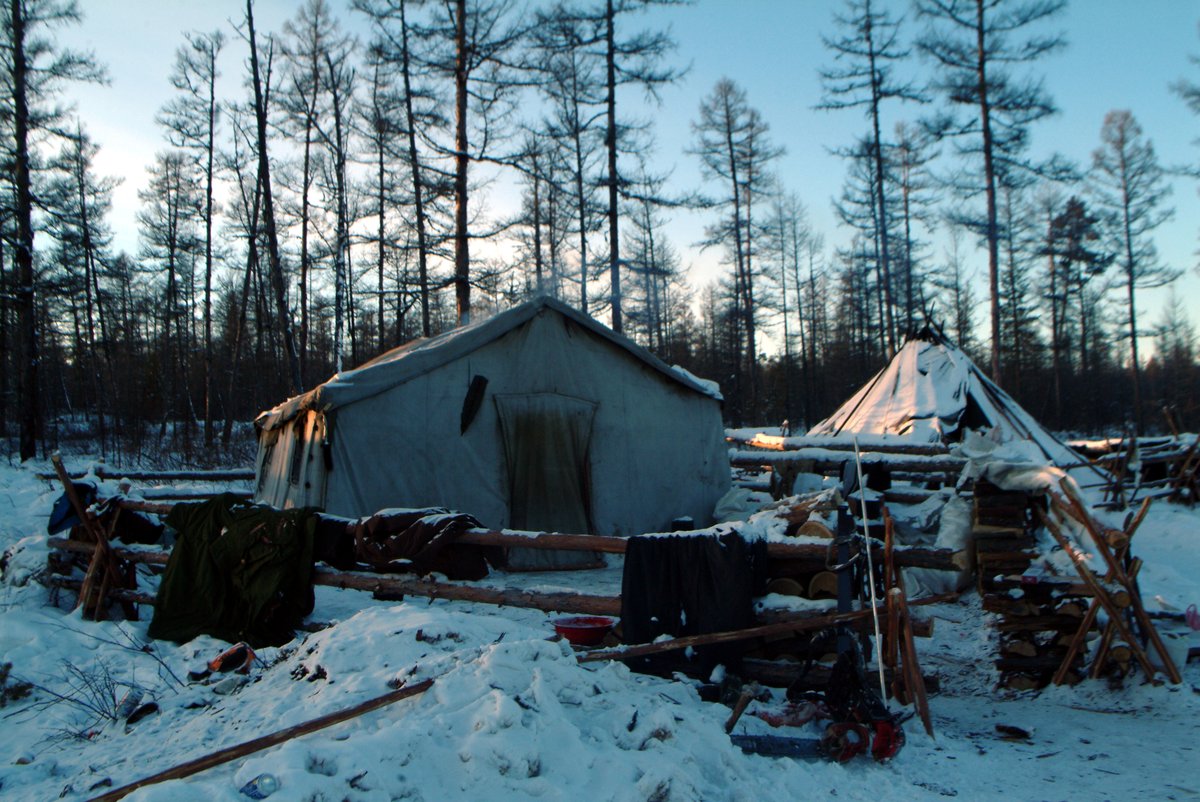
<point x="238" y="571"/>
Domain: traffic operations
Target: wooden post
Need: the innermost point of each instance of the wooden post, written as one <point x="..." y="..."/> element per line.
<point x="258" y="744"/>
<point x="1099" y="592"/>
<point x="1089" y="619"/>
<point x="1110" y="629"/>
<point x="914" y="683"/>
<point x="1139" y="611"/>
<point x="102" y="560"/>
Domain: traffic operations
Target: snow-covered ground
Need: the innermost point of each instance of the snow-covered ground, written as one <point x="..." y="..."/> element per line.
<point x="513" y="715"/>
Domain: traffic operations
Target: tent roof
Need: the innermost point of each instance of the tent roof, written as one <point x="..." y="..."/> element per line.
<point x="420" y="356"/>
<point x="929" y="393"/>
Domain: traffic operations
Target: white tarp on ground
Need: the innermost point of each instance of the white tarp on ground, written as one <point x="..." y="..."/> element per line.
<point x="390" y="432"/>
<point x="931" y="392"/>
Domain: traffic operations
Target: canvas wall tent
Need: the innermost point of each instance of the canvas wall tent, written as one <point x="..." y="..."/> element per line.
<point x="932" y="392"/>
<point x="538" y="418"/>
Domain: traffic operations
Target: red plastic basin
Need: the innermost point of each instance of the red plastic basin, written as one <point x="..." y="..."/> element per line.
<point x="584" y="630"/>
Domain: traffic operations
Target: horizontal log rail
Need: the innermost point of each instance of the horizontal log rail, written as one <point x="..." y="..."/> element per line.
<point x="825" y="459"/>
<point x="865" y="444"/>
<point x="906" y="556"/>
<point x="107" y="474"/>
<point x="800" y="623"/>
<point x="398" y="585"/>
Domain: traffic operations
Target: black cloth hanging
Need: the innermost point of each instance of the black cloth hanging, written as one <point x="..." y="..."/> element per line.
<point x="681" y="585"/>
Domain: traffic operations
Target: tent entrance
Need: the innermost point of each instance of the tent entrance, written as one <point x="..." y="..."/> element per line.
<point x="546" y="446"/>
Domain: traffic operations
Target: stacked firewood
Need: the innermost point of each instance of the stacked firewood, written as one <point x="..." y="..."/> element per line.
<point x="1046" y="620"/>
<point x="1038" y="614"/>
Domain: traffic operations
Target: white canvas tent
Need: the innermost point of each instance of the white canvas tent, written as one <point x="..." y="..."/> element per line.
<point x="931" y="392"/>
<point x="538" y="418"/>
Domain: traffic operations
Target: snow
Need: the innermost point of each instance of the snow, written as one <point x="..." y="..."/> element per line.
<point x="513" y="715"/>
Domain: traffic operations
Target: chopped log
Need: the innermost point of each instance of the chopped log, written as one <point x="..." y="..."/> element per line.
<point x="1022" y="546"/>
<point x="258" y="744"/>
<point x="1004" y="605"/>
<point x="1072" y="608"/>
<point x="823" y="586"/>
<point x="1020" y="682"/>
<point x="1037" y="663"/>
<point x="1039" y="623"/>
<point x="1019" y="647"/>
<point x="812" y="528"/>
<point x="1054" y="586"/>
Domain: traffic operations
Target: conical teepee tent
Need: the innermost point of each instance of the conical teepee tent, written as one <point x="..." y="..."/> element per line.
<point x="932" y="392"/>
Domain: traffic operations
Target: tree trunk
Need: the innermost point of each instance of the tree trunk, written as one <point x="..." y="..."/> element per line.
<point x="264" y="171"/>
<point x="208" y="255"/>
<point x="381" y="251"/>
<point x="610" y="139"/>
<point x="239" y="333"/>
<point x="462" y="255"/>
<point x="877" y="155"/>
<point x="415" y="167"/>
<point x="304" y="223"/>
<point x="989" y="170"/>
<point x="1135" y="373"/>
<point x="26" y="307"/>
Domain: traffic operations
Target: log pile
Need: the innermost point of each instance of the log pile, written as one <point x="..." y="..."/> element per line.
<point x="1112" y="546"/>
<point x="1147" y="467"/>
<point x="1002" y="531"/>
<point x="1036" y="620"/>
<point x="1045" y="621"/>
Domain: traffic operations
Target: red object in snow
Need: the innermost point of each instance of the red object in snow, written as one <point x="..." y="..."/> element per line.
<point x="238" y="657"/>
<point x="584" y="630"/>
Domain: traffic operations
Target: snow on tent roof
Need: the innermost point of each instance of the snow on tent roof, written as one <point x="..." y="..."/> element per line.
<point x="930" y="393"/>
<point x="415" y="358"/>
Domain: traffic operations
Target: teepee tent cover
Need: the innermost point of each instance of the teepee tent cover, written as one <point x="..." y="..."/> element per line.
<point x="537" y="418"/>
<point x="931" y="392"/>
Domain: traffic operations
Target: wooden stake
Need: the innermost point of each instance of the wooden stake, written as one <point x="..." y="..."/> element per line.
<point x="102" y="558"/>
<point x="1139" y="611"/>
<point x="258" y="744"/>
<point x="1110" y="629"/>
<point x="1080" y="638"/>
<point x="1099" y="592"/>
<point x="914" y="682"/>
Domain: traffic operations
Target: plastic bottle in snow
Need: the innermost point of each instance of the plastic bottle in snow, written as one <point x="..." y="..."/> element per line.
<point x="129" y="703"/>
<point x="260" y="787"/>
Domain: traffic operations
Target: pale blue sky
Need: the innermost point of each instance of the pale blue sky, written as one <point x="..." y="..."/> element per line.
<point x="1121" y="54"/>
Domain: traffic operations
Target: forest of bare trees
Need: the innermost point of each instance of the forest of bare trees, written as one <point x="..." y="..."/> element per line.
<point x="326" y="205"/>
